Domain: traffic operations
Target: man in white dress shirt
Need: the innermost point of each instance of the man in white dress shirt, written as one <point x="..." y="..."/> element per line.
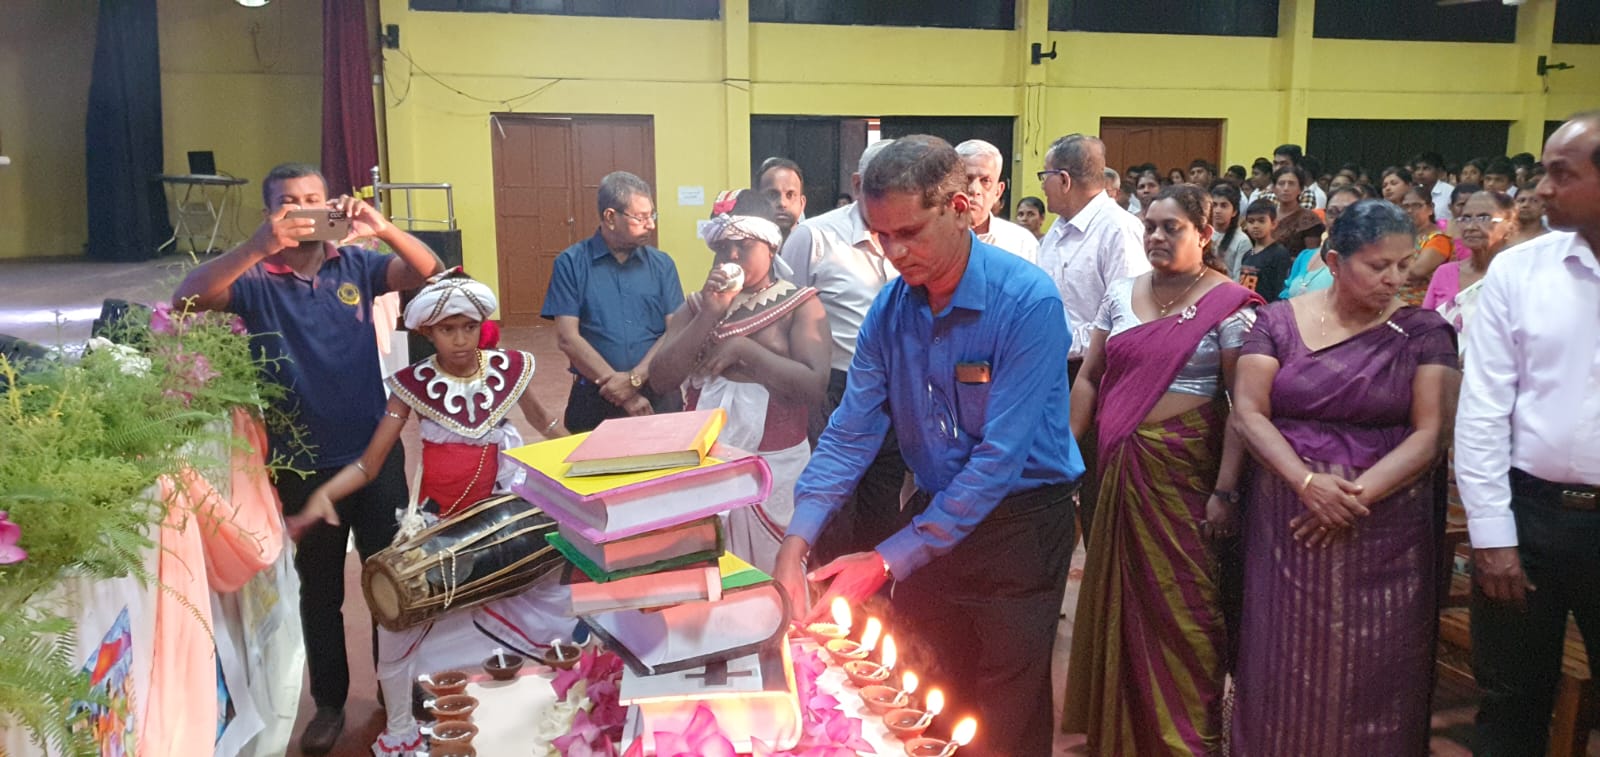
<point x="984" y="164"/>
<point x="1528" y="451"/>
<point x="1092" y="243"/>
<point x="1427" y="169"/>
<point x="835" y="253"/>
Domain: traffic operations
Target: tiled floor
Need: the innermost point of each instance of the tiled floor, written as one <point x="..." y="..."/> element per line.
<point x="54" y="302"/>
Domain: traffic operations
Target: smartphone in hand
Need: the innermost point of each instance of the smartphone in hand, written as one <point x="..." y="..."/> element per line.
<point x="332" y="225"/>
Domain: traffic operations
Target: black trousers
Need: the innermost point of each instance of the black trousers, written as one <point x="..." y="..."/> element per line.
<point x="319" y="559"/>
<point x="981" y="621"/>
<point x="873" y="513"/>
<point x="1089" y="491"/>
<point x="586" y="408"/>
<point x="1516" y="654"/>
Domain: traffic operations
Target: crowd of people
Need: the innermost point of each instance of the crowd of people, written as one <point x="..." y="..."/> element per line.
<point x="1239" y="389"/>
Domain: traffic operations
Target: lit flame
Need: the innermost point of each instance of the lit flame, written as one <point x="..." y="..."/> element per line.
<point x="935" y="702"/>
<point x="841" y="613"/>
<point x="908" y="682"/>
<point x="888" y="657"/>
<point x="964" y="731"/>
<point x="869" y="637"/>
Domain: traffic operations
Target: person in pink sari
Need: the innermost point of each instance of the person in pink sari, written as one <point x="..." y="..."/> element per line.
<point x="1343" y="397"/>
<point x="1149" y="679"/>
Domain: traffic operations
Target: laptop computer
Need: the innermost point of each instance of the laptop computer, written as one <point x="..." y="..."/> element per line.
<point x="202" y="163"/>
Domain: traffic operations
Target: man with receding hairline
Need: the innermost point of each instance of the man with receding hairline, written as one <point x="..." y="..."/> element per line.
<point x="1527" y="452"/>
<point x="781" y="180"/>
<point x="1092" y="243"/>
<point x="985" y="166"/>
<point x="962" y="357"/>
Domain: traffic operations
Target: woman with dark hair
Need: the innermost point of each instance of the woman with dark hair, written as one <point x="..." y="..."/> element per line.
<point x="1343" y="399"/>
<point x="1175" y="177"/>
<point x="1297" y="228"/>
<point x="1487" y="220"/>
<point x="1149" y="679"/>
<point x="1310" y="272"/>
<point x="755" y="344"/>
<point x="1030" y="215"/>
<point x="1458" y="200"/>
<point x="1431" y="247"/>
<point x="1471" y="172"/>
<point x="1229" y="243"/>
<point x="1393" y="182"/>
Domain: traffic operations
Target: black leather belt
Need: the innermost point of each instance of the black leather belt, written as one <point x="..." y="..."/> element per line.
<point x="1566" y="496"/>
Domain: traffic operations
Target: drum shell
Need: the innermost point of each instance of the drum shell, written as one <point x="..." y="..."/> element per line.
<point x="494" y="548"/>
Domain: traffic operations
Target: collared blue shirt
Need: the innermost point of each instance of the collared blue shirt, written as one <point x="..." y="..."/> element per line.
<point x="317" y="336"/>
<point x="968" y="444"/>
<point x="621" y="308"/>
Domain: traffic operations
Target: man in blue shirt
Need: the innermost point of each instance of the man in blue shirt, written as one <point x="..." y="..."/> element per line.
<point x="963" y="355"/>
<point x="610" y="296"/>
<point x="308" y="307"/>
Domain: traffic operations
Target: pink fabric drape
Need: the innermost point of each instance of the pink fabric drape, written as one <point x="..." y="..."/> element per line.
<point x="349" y="128"/>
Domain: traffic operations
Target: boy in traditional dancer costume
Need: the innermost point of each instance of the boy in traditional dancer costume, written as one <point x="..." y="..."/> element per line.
<point x="462" y="396"/>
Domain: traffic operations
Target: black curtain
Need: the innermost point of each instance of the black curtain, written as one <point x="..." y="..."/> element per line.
<point x="127" y="206"/>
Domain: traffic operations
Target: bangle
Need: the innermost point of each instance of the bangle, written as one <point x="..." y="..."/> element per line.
<point x="360" y="466"/>
<point x="1305" y="482"/>
<point x="552" y="426"/>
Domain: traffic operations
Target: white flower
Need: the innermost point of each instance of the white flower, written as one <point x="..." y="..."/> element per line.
<point x="552" y="724"/>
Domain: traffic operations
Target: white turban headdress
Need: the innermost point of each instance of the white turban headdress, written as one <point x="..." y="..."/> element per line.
<point x="727" y="227"/>
<point x="447" y="297"/>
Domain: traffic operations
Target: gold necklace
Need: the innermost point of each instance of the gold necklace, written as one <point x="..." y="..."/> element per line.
<point x="1322" y="318"/>
<point x="1173" y="301"/>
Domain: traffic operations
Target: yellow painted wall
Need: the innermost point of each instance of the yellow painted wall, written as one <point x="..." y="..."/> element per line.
<point x="242" y="82"/>
<point x="44" y="93"/>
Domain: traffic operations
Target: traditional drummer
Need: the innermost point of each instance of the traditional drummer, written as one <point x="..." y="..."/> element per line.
<point x="462" y="396"/>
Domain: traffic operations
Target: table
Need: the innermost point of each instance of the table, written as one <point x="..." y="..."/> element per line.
<point x="214" y="194"/>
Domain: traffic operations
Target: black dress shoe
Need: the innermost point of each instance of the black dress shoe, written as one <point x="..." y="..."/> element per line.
<point x="323" y="731"/>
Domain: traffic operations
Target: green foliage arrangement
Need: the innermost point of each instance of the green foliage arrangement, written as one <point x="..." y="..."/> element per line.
<point x="81" y="444"/>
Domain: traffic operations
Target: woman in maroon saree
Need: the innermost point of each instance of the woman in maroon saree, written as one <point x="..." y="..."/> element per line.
<point x="1148" y="679"/>
<point x="1343" y="399"/>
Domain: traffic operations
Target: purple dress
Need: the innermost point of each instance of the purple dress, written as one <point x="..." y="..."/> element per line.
<point x="1336" y="643"/>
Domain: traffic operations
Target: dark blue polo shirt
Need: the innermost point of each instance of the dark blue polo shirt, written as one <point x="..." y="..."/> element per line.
<point x="622" y="308"/>
<point x="318" y="336"/>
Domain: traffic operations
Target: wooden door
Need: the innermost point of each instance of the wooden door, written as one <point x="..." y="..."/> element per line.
<point x="1167" y="142"/>
<point x="547" y="172"/>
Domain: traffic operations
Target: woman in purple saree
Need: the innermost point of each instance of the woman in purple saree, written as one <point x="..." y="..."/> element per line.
<point x="1147" y="667"/>
<point x="1343" y="396"/>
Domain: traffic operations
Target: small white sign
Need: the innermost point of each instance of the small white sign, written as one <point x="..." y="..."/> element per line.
<point x="691" y="195"/>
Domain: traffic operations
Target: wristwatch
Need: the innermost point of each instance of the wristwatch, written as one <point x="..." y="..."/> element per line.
<point x="635" y="380"/>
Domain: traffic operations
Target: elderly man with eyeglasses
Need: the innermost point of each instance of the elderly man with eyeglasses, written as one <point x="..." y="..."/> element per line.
<point x="610" y="296"/>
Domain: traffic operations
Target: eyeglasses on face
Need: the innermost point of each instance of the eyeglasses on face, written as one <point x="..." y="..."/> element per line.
<point x="1482" y="219"/>
<point x="1045" y="175"/>
<point x="652" y="218"/>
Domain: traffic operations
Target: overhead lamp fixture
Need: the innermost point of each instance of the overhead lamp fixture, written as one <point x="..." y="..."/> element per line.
<point x="252" y="3"/>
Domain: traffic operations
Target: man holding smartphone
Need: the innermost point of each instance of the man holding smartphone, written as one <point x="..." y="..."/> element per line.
<point x="307" y="301"/>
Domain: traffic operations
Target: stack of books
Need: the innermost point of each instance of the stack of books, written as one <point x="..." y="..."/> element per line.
<point x="637" y="503"/>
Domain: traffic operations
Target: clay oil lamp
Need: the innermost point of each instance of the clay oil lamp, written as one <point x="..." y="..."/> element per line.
<point x="881" y="699"/>
<point x="869" y="673"/>
<point x="446" y="683"/>
<point x="908" y="723"/>
<point x="842" y="651"/>
<point x="457" y="707"/>
<point x="502" y="666"/>
<point x="823" y="633"/>
<point x="562" y="656"/>
<point x="923" y="746"/>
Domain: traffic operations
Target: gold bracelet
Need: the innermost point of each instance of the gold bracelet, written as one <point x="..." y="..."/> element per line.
<point x="1305" y="482"/>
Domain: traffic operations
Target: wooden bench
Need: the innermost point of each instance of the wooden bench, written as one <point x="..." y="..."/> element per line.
<point x="1577" y="707"/>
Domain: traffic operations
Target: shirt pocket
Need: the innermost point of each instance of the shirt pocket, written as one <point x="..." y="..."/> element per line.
<point x="972" y="407"/>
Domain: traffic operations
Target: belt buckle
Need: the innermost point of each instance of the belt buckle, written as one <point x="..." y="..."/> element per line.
<point x="1573" y="499"/>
